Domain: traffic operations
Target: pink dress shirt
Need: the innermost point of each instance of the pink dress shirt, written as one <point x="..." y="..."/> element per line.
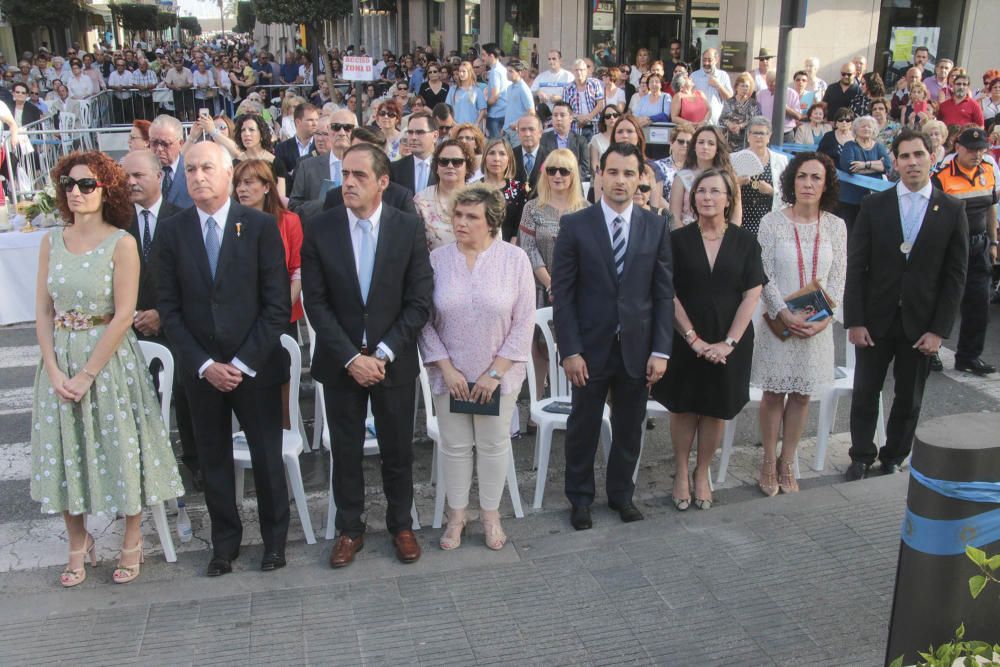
<point x="480" y="314"/>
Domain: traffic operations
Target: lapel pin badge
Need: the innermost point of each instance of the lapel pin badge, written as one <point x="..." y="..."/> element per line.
<point x="239" y="228"/>
<point x="936" y="207"/>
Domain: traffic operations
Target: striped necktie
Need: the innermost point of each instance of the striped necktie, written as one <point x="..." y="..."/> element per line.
<point x="618" y="244"/>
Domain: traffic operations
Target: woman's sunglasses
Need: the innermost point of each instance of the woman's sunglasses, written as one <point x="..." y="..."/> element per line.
<point x="562" y="171"/>
<point x="609" y="116"/>
<point x="86" y="185"/>
<point x="387" y="114"/>
<point x="645" y="188"/>
<point x="451" y="161"/>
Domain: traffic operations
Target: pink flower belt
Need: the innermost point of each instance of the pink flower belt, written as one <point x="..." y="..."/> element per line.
<point x="76" y="321"/>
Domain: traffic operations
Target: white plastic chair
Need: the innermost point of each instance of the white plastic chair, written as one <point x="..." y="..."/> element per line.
<point x="154" y="351"/>
<point x="436" y="461"/>
<point x="291" y="444"/>
<point x="828" y="409"/>
<point x="560" y="391"/>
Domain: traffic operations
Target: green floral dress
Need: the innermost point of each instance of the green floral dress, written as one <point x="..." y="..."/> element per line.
<point x="108" y="453"/>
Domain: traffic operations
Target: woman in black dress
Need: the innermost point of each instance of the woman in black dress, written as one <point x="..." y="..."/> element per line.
<point x="718" y="278"/>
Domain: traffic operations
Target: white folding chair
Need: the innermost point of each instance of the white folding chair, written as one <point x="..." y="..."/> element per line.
<point x="437" y="464"/>
<point x="756" y="394"/>
<point x="560" y="392"/>
<point x="154" y="351"/>
<point x="843" y="386"/>
<point x="291" y="444"/>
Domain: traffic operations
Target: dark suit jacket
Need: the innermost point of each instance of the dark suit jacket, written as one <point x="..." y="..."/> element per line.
<point x="147" y="269"/>
<point x="29" y="114"/>
<point x="304" y="198"/>
<point x="589" y="302"/>
<point x="399" y="300"/>
<point x="288" y="152"/>
<point x="401" y="171"/>
<point x="178" y="195"/>
<point x="532" y="178"/>
<point x="929" y="285"/>
<point x="243" y="312"/>
<point x="577" y="144"/>
<point x="395" y="196"/>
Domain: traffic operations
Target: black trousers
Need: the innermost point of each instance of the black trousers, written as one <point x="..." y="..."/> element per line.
<point x="583" y="430"/>
<point x="346" y="410"/>
<point x="975" y="307"/>
<point x="909" y="371"/>
<point x="258" y="409"/>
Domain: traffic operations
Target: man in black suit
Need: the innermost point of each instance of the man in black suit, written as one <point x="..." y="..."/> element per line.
<point x="612" y="288"/>
<point x="414" y="171"/>
<point x="300" y="146"/>
<point x="367" y="284"/>
<point x="144" y="182"/>
<point x="395" y="195"/>
<point x="906" y="263"/>
<point x="562" y="136"/>
<point x="529" y="155"/>
<point x="316" y="175"/>
<point x="224" y="301"/>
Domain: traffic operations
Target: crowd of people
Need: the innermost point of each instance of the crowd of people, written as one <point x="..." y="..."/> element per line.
<point x="473" y="192"/>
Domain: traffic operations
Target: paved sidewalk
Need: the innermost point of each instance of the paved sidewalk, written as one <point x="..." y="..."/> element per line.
<point x="793" y="580"/>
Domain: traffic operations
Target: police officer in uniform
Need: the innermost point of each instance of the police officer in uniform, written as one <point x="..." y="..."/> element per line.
<point x="970" y="179"/>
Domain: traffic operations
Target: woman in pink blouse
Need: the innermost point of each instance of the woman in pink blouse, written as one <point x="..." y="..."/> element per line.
<point x="476" y="343"/>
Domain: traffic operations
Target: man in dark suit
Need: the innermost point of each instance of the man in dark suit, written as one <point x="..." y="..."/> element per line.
<point x="906" y="263"/>
<point x="300" y="146"/>
<point x="395" y="195"/>
<point x="529" y="155"/>
<point x="316" y="175"/>
<point x="224" y="301"/>
<point x="612" y="288"/>
<point x="414" y="171"/>
<point x="562" y="136"/>
<point x="367" y="284"/>
<point x="166" y="138"/>
<point x="144" y="176"/>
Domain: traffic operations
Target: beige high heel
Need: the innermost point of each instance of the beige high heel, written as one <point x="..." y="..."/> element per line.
<point x="786" y="477"/>
<point x="767" y="482"/>
<point x="126" y="573"/>
<point x="452" y="536"/>
<point x="77" y="576"/>
<point x="493" y="534"/>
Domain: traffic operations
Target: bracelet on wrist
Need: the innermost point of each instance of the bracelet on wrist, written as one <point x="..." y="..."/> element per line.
<point x="688" y="334"/>
<point x="92" y="376"/>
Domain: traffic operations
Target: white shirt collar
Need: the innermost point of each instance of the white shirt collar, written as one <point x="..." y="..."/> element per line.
<point x="333" y="158"/>
<point x="374" y="218"/>
<point x="610" y="214"/>
<point x="173" y="167"/>
<point x="924" y="192"/>
<point x="154" y="210"/>
<point x="219" y="216"/>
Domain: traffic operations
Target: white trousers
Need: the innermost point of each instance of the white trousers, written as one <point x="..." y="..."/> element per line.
<point x="491" y="438"/>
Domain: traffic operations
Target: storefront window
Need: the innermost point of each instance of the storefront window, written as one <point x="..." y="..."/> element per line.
<point x="603" y="45"/>
<point x="435" y="25"/>
<point x="470" y="22"/>
<point x="518" y="21"/>
<point x="935" y="24"/>
<point x="652" y="24"/>
<point x="704" y="28"/>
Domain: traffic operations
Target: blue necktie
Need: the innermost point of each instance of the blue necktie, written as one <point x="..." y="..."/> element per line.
<point x="212" y="244"/>
<point x="168" y="181"/>
<point x="529" y="164"/>
<point x="336" y="173"/>
<point x="421" y="183"/>
<point x="618" y="244"/>
<point x="366" y="257"/>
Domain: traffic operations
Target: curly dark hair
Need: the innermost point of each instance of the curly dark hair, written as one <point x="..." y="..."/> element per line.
<point x="265" y="131"/>
<point x="116" y="208"/>
<point x="831" y="184"/>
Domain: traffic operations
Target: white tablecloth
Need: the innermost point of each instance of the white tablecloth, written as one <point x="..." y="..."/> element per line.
<point x="18" y="272"/>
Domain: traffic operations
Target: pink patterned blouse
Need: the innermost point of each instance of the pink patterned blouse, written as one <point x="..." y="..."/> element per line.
<point x="480" y="314"/>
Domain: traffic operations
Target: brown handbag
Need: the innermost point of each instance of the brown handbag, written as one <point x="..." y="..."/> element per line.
<point x="775" y="324"/>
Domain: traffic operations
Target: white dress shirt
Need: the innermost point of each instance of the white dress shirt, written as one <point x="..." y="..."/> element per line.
<point x="336" y="169"/>
<point x="700" y="80"/>
<point x="220" y="218"/>
<point x="124" y="80"/>
<point x="154" y="215"/>
<point x="356" y="235"/>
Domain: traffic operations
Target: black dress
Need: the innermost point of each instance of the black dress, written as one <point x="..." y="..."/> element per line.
<point x="430" y="97"/>
<point x="711" y="298"/>
<point x="756" y="204"/>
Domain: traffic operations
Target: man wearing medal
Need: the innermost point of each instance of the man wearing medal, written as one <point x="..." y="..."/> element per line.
<point x="906" y="266"/>
<point x="970" y="179"/>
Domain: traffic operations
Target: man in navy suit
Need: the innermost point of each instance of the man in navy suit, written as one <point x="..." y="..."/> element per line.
<point x="166" y="136"/>
<point x="613" y="294"/>
<point x="301" y="145"/>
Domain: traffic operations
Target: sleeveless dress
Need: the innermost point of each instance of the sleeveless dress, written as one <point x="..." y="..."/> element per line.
<point x="110" y="452"/>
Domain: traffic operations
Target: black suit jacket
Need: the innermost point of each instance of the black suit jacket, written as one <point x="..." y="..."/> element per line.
<point x="399" y="299"/>
<point x="147" y="269"/>
<point x="288" y="152"/>
<point x="243" y="312"/>
<point x="589" y="302"/>
<point x="577" y="144"/>
<point x="29" y="114"/>
<point x="928" y="286"/>
<point x="401" y="171"/>
<point x="395" y="196"/>
<point x="532" y="178"/>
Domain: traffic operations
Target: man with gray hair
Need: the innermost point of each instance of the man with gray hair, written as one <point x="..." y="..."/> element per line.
<point x="713" y="83"/>
<point x="166" y="137"/>
<point x="224" y="303"/>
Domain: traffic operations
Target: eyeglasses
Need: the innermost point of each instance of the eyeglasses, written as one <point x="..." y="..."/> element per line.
<point x="433" y="71"/>
<point x="386" y="114"/>
<point x="159" y="143"/>
<point x="86" y="185"/>
<point x="562" y="171"/>
<point x="847" y="74"/>
<point x="451" y="161"/>
<point x="645" y="188"/>
<point x="609" y="116"/>
<point x="341" y="127"/>
<point x="417" y="133"/>
<point x="444" y="129"/>
<point x="760" y="134"/>
<point x="682" y="142"/>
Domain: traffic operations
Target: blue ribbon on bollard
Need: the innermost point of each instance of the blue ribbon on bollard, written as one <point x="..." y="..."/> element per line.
<point x="940" y="537"/>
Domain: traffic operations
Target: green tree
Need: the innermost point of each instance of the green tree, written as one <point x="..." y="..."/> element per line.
<point x="134" y="17"/>
<point x="311" y="13"/>
<point x="39" y="12"/>
<point x="246" y="18"/>
<point x="190" y="24"/>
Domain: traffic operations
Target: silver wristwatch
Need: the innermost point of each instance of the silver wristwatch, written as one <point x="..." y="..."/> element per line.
<point x="493" y="374"/>
<point x="381" y="355"/>
<point x="731" y="342"/>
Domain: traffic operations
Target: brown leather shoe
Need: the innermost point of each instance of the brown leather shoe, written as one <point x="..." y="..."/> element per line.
<point x="344" y="549"/>
<point x="407" y="549"/>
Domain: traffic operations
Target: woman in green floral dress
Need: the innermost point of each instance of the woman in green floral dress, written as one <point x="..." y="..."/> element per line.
<point x="98" y="443"/>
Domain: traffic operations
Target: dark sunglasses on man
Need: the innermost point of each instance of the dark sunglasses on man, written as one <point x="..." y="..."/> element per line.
<point x="86" y="185"/>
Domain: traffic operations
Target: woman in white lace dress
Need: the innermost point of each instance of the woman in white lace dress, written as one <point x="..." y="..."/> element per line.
<point x="802" y="242"/>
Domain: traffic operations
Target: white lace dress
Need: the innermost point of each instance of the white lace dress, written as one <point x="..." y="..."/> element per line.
<point x="798" y="365"/>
